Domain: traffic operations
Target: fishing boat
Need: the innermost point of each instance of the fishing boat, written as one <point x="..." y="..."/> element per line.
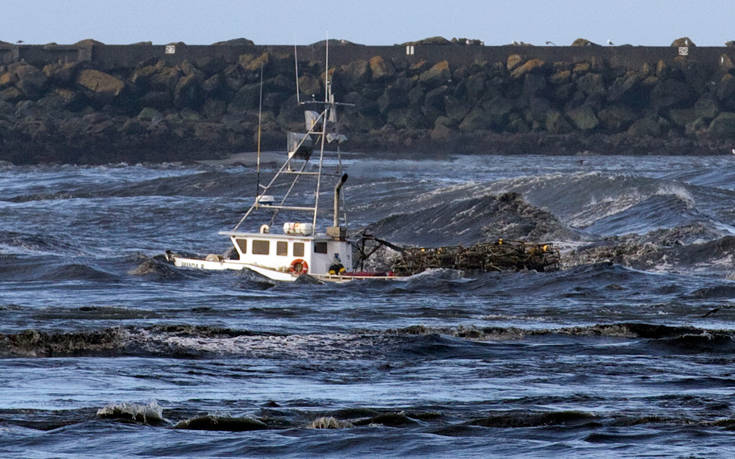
<point x="302" y="245"/>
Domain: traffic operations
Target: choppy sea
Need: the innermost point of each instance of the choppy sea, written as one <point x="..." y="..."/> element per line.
<point x="628" y="351"/>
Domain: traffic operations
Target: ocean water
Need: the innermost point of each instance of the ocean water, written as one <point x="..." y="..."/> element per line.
<point x="108" y="351"/>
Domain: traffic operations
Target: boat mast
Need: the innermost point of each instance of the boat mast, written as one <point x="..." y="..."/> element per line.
<point x="325" y="119"/>
<point x="260" y="119"/>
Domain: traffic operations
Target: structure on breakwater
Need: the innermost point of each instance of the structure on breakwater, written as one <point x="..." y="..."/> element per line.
<point x="91" y="102"/>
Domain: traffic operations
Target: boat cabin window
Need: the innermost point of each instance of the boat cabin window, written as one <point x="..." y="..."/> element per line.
<point x="320" y="247"/>
<point x="298" y="249"/>
<point x="282" y="248"/>
<point x="242" y="244"/>
<point x="261" y="247"/>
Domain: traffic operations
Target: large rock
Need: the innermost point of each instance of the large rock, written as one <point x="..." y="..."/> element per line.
<point x="513" y="61"/>
<point x="723" y="126"/>
<point x="533" y="83"/>
<point x="381" y="69"/>
<point x="476" y="120"/>
<point x="682" y="116"/>
<point x="356" y="72"/>
<point x="725" y="88"/>
<point x="649" y="126"/>
<point x="103" y="86"/>
<point x="624" y="85"/>
<point x="11" y="94"/>
<point x="617" y="117"/>
<point x="394" y="96"/>
<point x="62" y="74"/>
<point x="498" y="110"/>
<point x="252" y="63"/>
<point x="556" y="123"/>
<point x="706" y="107"/>
<point x="532" y="65"/>
<point x="560" y="77"/>
<point x="583" y="42"/>
<point x="683" y="42"/>
<point x="188" y="92"/>
<point x="670" y="93"/>
<point x="165" y="78"/>
<point x="30" y="80"/>
<point x="584" y="118"/>
<point x="476" y="85"/>
<point x="246" y="99"/>
<point x="235" y="42"/>
<point x="7" y="79"/>
<point x="591" y="84"/>
<point x="437" y="75"/>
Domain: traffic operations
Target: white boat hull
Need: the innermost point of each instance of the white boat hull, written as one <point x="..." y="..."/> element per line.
<point x="236" y="265"/>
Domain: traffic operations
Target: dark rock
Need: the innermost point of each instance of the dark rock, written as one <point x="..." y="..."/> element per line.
<point x="158" y="99"/>
<point x="682" y="116"/>
<point x="591" y="84"/>
<point x="624" y="85"/>
<point x="8" y="79"/>
<point x="556" y="123"/>
<point x="498" y="109"/>
<point x="142" y="76"/>
<point x="11" y="94"/>
<point x="235" y="42"/>
<point x="533" y="83"/>
<point x="723" y="126"/>
<point x="538" y="108"/>
<point x="583" y="42"/>
<point x="62" y="74"/>
<point x="356" y="73"/>
<point x="429" y="41"/>
<point x="581" y="68"/>
<point x="188" y="92"/>
<point x="30" y="80"/>
<point x="584" y="118"/>
<point x="560" y="77"/>
<point x="252" y="63"/>
<point x="309" y="86"/>
<point x="706" y="107"/>
<point x="670" y="93"/>
<point x="381" y="69"/>
<point x="246" y="99"/>
<point x="616" y="118"/>
<point x="150" y="114"/>
<point x="476" y="120"/>
<point x="164" y="79"/>
<point x="532" y="65"/>
<point x="683" y="42"/>
<point x="725" y="88"/>
<point x="416" y="96"/>
<point x="438" y="74"/>
<point x="476" y="85"/>
<point x="434" y="102"/>
<point x="651" y="125"/>
<point x="393" y="96"/>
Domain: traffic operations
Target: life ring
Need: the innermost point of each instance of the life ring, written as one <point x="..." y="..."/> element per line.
<point x="299" y="267"/>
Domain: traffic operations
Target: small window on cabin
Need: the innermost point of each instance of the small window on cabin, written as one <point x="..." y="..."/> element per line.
<point x="298" y="249"/>
<point x="242" y="244"/>
<point x="320" y="247"/>
<point x="261" y="247"/>
<point x="282" y="248"/>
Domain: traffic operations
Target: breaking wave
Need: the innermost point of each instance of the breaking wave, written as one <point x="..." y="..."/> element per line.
<point x="194" y="342"/>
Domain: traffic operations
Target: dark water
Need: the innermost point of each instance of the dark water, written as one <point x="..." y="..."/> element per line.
<point x="107" y="351"/>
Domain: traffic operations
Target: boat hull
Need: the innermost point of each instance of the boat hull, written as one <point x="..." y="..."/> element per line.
<point x="236" y="265"/>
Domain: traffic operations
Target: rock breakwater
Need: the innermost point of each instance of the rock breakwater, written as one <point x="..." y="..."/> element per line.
<point x="88" y="111"/>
